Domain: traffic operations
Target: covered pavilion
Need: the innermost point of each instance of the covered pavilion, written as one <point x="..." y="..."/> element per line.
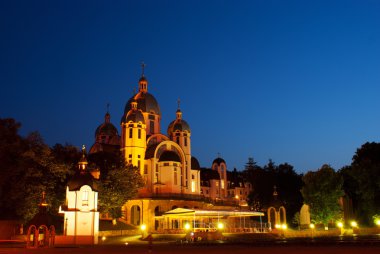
<point x="182" y="219"/>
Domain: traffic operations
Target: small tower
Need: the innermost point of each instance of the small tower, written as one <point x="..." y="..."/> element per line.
<point x="134" y="137"/>
<point x="107" y="138"/>
<point x="180" y="133"/>
<point x="81" y="216"/>
<point x="219" y="165"/>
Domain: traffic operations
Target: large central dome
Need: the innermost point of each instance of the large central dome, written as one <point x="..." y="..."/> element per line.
<point x="145" y="101"/>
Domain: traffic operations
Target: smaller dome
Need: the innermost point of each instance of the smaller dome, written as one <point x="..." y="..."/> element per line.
<point x="134" y="116"/>
<point x="80" y="179"/>
<point x="178" y="125"/>
<point x="219" y="161"/>
<point x="106" y="128"/>
<point x="169" y="156"/>
<point x="195" y="163"/>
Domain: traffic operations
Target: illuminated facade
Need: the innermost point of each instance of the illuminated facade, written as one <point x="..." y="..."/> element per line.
<point x="164" y="161"/>
<point x="172" y="176"/>
<point x="81" y="216"/>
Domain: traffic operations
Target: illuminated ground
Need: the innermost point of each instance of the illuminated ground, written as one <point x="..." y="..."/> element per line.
<point x="236" y="249"/>
<point x="334" y="245"/>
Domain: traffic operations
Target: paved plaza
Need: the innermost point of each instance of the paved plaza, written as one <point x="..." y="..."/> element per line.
<point x="195" y="249"/>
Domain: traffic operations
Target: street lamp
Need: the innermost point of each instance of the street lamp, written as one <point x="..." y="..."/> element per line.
<point x="377" y="222"/>
<point x="354" y="226"/>
<point x="220" y="226"/>
<point x="340" y="226"/>
<point x="143" y="229"/>
<point x="312" y="227"/>
<point x="187" y="226"/>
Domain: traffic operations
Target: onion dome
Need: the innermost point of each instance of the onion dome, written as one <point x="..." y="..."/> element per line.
<point x="134" y="114"/>
<point x="195" y="163"/>
<point x="106" y="128"/>
<point x="145" y="101"/>
<point x="169" y="156"/>
<point x="178" y="124"/>
<point x="82" y="176"/>
<point x="219" y="161"/>
<point x="80" y="179"/>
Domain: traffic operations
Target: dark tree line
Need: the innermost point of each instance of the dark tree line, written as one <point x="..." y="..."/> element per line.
<point x="321" y="189"/>
<point x="29" y="167"/>
<point x="361" y="182"/>
<point x="263" y="179"/>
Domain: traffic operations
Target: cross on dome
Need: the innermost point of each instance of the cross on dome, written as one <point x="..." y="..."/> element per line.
<point x="142" y="68"/>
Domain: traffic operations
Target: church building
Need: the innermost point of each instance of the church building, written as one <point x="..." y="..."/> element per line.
<point x="172" y="176"/>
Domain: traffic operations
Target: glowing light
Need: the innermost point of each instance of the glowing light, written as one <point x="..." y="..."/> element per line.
<point x="187" y="226"/>
<point x="220" y="225"/>
<point x="377" y="222"/>
<point x="340" y="224"/>
<point x="143" y="227"/>
<point x="312" y="226"/>
<point x="284" y="226"/>
<point x="104" y="238"/>
<point x="354" y="224"/>
<point x="126" y="243"/>
<point x="277" y="226"/>
<point x="237" y="196"/>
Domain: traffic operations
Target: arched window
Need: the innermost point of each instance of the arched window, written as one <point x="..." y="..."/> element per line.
<point x="157" y="211"/>
<point x="135" y="215"/>
<point x="130" y="132"/>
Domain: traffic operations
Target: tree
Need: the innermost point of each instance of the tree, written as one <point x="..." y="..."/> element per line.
<point x="362" y="181"/>
<point x="258" y="178"/>
<point x="118" y="182"/>
<point x="28" y="167"/>
<point x="289" y="185"/>
<point x="263" y="180"/>
<point x="321" y="191"/>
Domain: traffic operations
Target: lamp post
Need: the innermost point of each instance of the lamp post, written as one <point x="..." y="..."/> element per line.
<point x="238" y="206"/>
<point x="340" y="225"/>
<point x="354" y="226"/>
<point x="143" y="230"/>
<point x="377" y="223"/>
<point x="312" y="227"/>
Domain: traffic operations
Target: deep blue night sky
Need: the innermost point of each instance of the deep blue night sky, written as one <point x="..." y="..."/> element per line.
<point x="294" y="81"/>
